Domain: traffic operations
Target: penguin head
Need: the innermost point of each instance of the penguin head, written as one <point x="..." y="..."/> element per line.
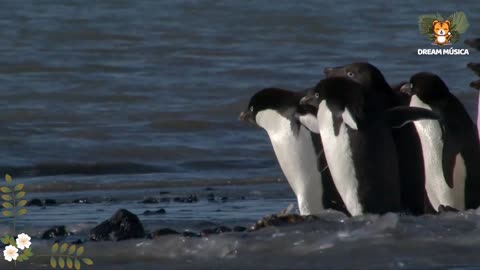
<point x="336" y="89"/>
<point x="363" y="73"/>
<point x="275" y="99"/>
<point x="427" y="86"/>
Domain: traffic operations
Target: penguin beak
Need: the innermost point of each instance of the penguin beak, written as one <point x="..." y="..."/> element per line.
<point x="334" y="72"/>
<point x="327" y="71"/>
<point x="246" y="117"/>
<point x="309" y="100"/>
<point x="406" y="89"/>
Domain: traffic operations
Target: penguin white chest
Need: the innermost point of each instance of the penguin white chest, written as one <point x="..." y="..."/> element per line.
<point x="297" y="158"/>
<point x="438" y="191"/>
<point x="338" y="153"/>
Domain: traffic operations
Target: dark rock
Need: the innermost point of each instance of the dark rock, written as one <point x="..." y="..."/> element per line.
<point x="55" y="232"/>
<point x="224" y="199"/>
<point x="150" y="200"/>
<point x="164" y="192"/>
<point x="78" y="242"/>
<point x="35" y="202"/>
<point x="81" y="201"/>
<point x="158" y="212"/>
<point x="243" y="198"/>
<point x="209" y="189"/>
<point x="50" y="202"/>
<point x="110" y="200"/>
<point x="190" y="234"/>
<point x="475" y="84"/>
<point x="122" y="225"/>
<point x="216" y="230"/>
<point x="239" y="229"/>
<point x="189" y="199"/>
<point x="165" y="200"/>
<point x="161" y="232"/>
<point x="281" y="220"/>
<point x="211" y="197"/>
<point x="475" y="67"/>
<point x="473" y="42"/>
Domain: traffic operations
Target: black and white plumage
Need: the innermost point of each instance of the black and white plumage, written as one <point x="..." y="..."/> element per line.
<point x="407" y="142"/>
<point x="298" y="151"/>
<point x="450" y="147"/>
<point x="358" y="144"/>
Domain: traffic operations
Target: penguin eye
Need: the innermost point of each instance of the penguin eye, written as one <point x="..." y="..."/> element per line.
<point x="350" y="74"/>
<point x="251" y="108"/>
<point x="317" y="95"/>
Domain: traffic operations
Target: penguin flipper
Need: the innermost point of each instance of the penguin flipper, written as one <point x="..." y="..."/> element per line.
<point x="349" y="119"/>
<point x="450" y="151"/>
<point x="307" y="116"/>
<point x="399" y="116"/>
<point x="310" y="122"/>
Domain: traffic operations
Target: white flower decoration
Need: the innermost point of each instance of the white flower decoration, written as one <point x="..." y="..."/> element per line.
<point x="23" y="241"/>
<point x="10" y="253"/>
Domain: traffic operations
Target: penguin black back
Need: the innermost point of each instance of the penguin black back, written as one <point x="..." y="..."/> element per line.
<point x="358" y="145"/>
<point x="459" y="135"/>
<point x="406" y="138"/>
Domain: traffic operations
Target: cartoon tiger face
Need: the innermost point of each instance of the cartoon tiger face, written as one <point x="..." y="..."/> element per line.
<point x="442" y="32"/>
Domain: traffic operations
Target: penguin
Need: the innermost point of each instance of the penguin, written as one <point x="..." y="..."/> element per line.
<point x="358" y="143"/>
<point x="450" y="146"/>
<point x="298" y="151"/>
<point x="475" y="67"/>
<point x="406" y="139"/>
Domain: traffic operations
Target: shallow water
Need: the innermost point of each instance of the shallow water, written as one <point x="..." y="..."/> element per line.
<point x="391" y="241"/>
<point x="117" y="101"/>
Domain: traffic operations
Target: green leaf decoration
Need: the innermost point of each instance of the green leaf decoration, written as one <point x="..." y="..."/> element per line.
<point x="11" y="241"/>
<point x="425" y="24"/>
<point x="72" y="249"/>
<point x="28" y="252"/>
<point x="22" y="212"/>
<point x="22" y="257"/>
<point x="87" y="261"/>
<point x="63" y="248"/>
<point x="61" y="262"/>
<point x="55" y="248"/>
<point x="20" y="195"/>
<point x="19" y="187"/>
<point x="77" y="264"/>
<point x="7" y="197"/>
<point x="80" y="251"/>
<point x="53" y="262"/>
<point x="8" y="178"/>
<point x="22" y="203"/>
<point x="69" y="263"/>
<point x="459" y="22"/>
<point x="7" y="213"/>
<point x="5" y="190"/>
<point x="5" y="240"/>
<point x="7" y="205"/>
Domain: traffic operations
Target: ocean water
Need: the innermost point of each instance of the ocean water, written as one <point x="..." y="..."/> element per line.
<point x="115" y="101"/>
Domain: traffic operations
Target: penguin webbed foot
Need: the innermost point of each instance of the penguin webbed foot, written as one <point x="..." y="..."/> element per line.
<point x="445" y="209"/>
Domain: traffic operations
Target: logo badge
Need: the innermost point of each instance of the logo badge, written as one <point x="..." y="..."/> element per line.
<point x="443" y="31"/>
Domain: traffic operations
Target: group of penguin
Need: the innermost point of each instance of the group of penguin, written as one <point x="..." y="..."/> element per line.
<point x="356" y="144"/>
